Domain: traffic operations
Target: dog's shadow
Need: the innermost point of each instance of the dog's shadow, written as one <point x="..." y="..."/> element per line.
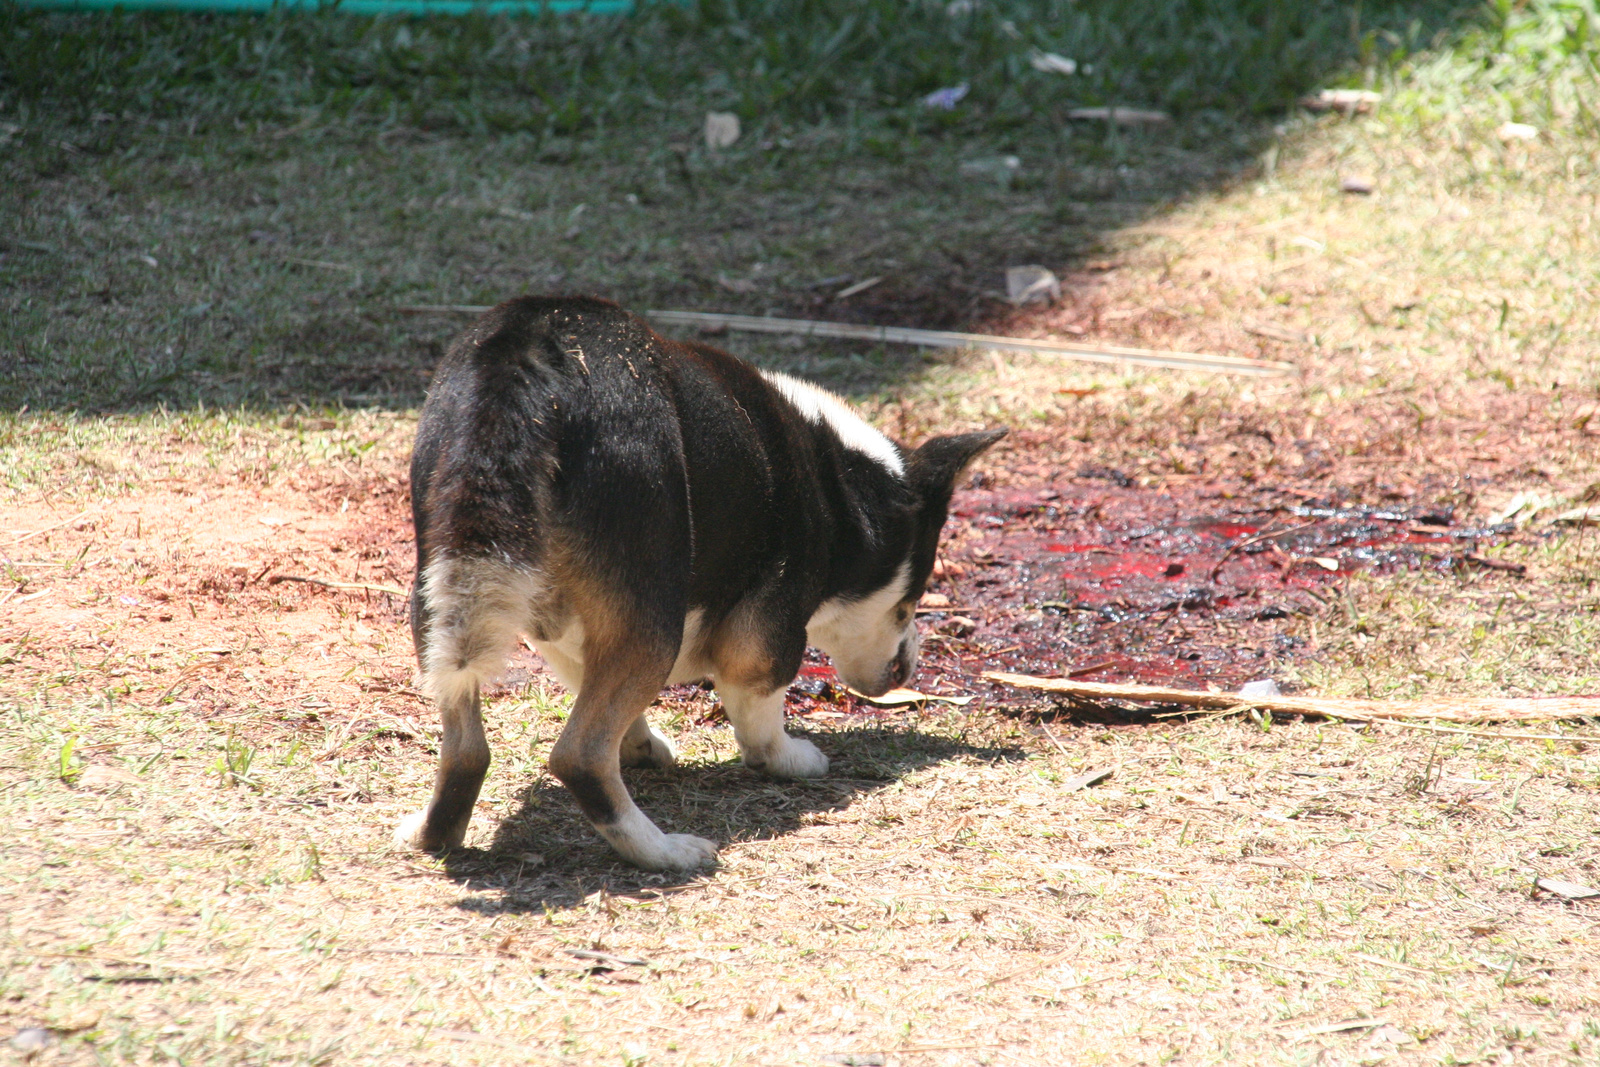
<point x="545" y="856"/>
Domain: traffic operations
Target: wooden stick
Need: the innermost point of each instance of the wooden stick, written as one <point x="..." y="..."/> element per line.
<point x="1469" y="710"/>
<point x="934" y="339"/>
<point x="35" y="533"/>
<point x="391" y="590"/>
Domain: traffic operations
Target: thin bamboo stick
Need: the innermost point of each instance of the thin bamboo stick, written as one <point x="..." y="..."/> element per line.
<point x="850" y="331"/>
<point x="1448" y="709"/>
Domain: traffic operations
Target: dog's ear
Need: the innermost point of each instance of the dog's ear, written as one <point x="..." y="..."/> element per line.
<point x="934" y="467"/>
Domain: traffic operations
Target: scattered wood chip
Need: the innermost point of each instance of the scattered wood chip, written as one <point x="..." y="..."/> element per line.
<point x="1488" y="563"/>
<point x="1032" y="284"/>
<point x="859" y="287"/>
<point x="735" y="285"/>
<point x="1120" y="116"/>
<point x="1344" y="101"/>
<point x="1151" y="872"/>
<point x="1568" y="890"/>
<point x="1052" y="63"/>
<point x="1381" y="962"/>
<point x="1274" y="332"/>
<point x="1516" y="131"/>
<point x="605" y="961"/>
<point x="1087" y="778"/>
<point x="722" y="129"/>
<point x="1357" y="184"/>
<point x="97" y="776"/>
<point x="1588" y="515"/>
<point x="1336" y="1028"/>
<point x="359" y="586"/>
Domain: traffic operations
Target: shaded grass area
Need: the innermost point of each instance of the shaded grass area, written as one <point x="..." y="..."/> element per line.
<point x="800" y="61"/>
<point x="227" y="210"/>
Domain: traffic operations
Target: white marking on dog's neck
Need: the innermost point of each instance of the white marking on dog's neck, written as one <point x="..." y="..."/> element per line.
<point x="821" y="406"/>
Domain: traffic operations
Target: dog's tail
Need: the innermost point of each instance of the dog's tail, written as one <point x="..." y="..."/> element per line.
<point x="482" y="477"/>
<point x="473" y="611"/>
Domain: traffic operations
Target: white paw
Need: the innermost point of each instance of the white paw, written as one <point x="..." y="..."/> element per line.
<point x="654" y="751"/>
<point x="412" y="833"/>
<point x="683" y="852"/>
<point x="796" y="758"/>
<point x="408" y="834"/>
<point x="639" y="842"/>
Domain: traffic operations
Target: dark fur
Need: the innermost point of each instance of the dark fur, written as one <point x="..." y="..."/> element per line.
<point x="647" y="478"/>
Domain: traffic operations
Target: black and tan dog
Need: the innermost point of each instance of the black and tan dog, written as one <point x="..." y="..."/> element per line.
<point x="649" y="512"/>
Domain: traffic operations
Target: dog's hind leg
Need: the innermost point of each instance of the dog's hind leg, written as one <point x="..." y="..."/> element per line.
<point x="463" y="762"/>
<point x="618" y="684"/>
<point x="468" y="614"/>
<point x="641" y="746"/>
<point x="757" y="719"/>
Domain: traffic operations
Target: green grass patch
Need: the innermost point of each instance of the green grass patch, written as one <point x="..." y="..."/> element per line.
<point x="227" y="210"/>
<point x="799" y="61"/>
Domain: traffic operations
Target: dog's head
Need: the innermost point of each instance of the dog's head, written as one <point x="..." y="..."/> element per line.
<point x="872" y="637"/>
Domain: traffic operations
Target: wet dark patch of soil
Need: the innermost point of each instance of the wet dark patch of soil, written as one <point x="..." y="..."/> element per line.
<point x="1189" y="586"/>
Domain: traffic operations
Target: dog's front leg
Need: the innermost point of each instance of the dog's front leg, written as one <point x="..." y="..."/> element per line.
<point x="758" y="727"/>
<point x="463" y="761"/>
<point x="587" y="759"/>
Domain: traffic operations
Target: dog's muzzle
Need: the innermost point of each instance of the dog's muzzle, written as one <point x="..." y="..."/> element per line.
<point x="905" y="662"/>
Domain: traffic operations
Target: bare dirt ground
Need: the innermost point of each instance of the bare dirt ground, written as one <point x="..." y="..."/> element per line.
<point x="242" y="743"/>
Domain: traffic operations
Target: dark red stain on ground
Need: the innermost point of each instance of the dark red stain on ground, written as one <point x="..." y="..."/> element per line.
<point x="1101" y="579"/>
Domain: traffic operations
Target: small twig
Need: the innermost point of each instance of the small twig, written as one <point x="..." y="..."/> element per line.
<point x="320" y="264"/>
<point x="1091" y="669"/>
<point x="47" y="529"/>
<point x="1380" y="961"/>
<point x="391" y="590"/>
<point x="1278" y="966"/>
<point x="1053" y="740"/>
<point x="1518" y="569"/>
<point x="1336" y="1028"/>
<point x="1231" y="549"/>
<point x="1149" y="872"/>
<point x="1237" y="709"/>
<point x="858" y="287"/>
<point x="1492" y="734"/>
<point x="1040" y="965"/>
